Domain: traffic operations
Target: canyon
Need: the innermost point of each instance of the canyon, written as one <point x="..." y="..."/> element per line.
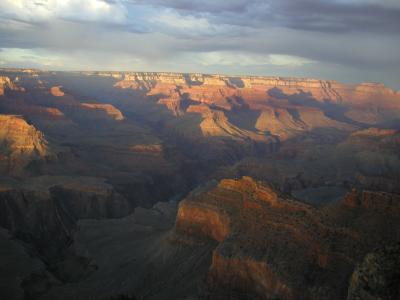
<point x="197" y="186"/>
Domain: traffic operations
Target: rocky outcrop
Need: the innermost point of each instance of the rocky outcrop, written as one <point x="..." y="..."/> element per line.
<point x="56" y="91"/>
<point x="173" y="103"/>
<point x="20" y="143"/>
<point x="378" y="276"/>
<point x="279" y="122"/>
<point x="109" y="110"/>
<point x="6" y="84"/>
<point x="271" y="246"/>
<point x="203" y="220"/>
<point x="89" y="110"/>
<point x="44" y="210"/>
<point x="215" y="123"/>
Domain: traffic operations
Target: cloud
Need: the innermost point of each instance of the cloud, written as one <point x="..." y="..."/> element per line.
<point x="73" y="10"/>
<point x="353" y="40"/>
<point x="231" y="58"/>
<point x="312" y="15"/>
<point x="176" y="21"/>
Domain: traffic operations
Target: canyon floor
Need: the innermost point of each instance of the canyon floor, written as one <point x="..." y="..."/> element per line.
<point x="125" y="185"/>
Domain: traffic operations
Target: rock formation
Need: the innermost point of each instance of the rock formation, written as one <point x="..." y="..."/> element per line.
<point x="288" y="106"/>
<point x="6" y="84"/>
<point x="56" y="91"/>
<point x="108" y="109"/>
<point x="44" y="210"/>
<point x="119" y="142"/>
<point x="272" y="246"/>
<point x="215" y="123"/>
<point x="20" y="144"/>
<point x="288" y="122"/>
<point x="378" y="276"/>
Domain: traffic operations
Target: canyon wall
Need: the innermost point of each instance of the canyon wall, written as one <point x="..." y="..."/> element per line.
<point x="272" y="246"/>
<point x="44" y="210"/>
<point x="20" y="143"/>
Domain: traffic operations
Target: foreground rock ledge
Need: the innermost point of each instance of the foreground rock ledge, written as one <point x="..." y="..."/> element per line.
<point x="273" y="246"/>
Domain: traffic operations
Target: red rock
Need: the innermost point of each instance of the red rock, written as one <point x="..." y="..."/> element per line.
<point x="56" y="91"/>
<point x="273" y="246"/>
<point x="108" y="109"/>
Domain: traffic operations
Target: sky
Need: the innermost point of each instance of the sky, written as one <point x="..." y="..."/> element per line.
<point x="346" y="40"/>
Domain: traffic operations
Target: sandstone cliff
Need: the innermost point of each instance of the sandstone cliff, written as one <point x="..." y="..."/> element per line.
<point x="108" y="109"/>
<point x="56" y="91"/>
<point x="215" y="123"/>
<point x="6" y="83"/>
<point x="288" y="106"/>
<point x="20" y="144"/>
<point x="273" y="246"/>
<point x="320" y="89"/>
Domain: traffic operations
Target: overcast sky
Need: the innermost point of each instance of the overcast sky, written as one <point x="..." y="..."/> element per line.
<point x="346" y="40"/>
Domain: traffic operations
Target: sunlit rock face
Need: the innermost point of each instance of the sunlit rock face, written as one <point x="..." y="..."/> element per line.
<point x="321" y="90"/>
<point x="289" y="122"/>
<point x="291" y="105"/>
<point x="107" y="109"/>
<point x="56" y="91"/>
<point x="215" y="123"/>
<point x="20" y="144"/>
<point x="273" y="246"/>
<point x="7" y="84"/>
<point x="92" y="110"/>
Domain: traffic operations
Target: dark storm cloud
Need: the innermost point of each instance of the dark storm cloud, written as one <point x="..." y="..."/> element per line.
<point x="337" y="17"/>
<point x="312" y="15"/>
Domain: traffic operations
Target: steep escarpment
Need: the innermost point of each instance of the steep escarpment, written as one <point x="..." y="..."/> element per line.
<point x="376" y="154"/>
<point x="90" y="111"/>
<point x="44" y="210"/>
<point x="322" y="89"/>
<point x="20" y="144"/>
<point x="215" y="123"/>
<point x="354" y="103"/>
<point x="291" y="121"/>
<point x="273" y="246"/>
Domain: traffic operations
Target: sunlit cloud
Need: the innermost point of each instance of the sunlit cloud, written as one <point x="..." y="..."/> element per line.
<point x="229" y="58"/>
<point x="46" y="10"/>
